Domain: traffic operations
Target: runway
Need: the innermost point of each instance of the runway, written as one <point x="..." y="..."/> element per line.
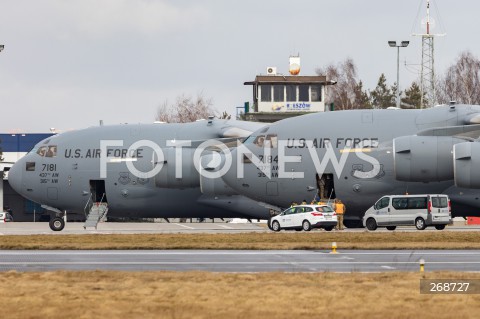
<point x="42" y="228"/>
<point x="242" y="260"/>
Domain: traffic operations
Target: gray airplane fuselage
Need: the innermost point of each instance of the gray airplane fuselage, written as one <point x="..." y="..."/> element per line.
<point x="365" y="133"/>
<point x="67" y="179"/>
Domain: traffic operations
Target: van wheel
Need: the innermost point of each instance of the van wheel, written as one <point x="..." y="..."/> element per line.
<point x="440" y="227"/>
<point x="57" y="224"/>
<point x="420" y="223"/>
<point x="391" y="227"/>
<point x="371" y="224"/>
<point x="306" y="225"/>
<point x="329" y="228"/>
<point x="276" y="226"/>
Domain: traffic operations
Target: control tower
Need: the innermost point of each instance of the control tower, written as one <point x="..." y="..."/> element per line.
<point x="277" y="96"/>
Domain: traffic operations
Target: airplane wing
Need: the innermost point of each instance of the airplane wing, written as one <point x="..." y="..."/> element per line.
<point x="197" y="143"/>
<point x="240" y="129"/>
<point x="229" y="133"/>
<point x="467" y="132"/>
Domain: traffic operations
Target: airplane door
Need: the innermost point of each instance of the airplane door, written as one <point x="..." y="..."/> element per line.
<point x="97" y="191"/>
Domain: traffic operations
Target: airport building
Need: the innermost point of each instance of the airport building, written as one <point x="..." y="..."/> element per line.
<point x="277" y="96"/>
<point x="14" y="147"/>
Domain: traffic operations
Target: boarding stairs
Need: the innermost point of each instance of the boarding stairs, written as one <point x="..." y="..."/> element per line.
<point x="96" y="212"/>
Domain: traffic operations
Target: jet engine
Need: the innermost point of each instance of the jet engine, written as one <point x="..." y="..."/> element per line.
<point x="424" y="158"/>
<point x="467" y="165"/>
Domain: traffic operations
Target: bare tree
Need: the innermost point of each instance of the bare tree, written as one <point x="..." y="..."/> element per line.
<point x="461" y="81"/>
<point x="185" y="109"/>
<point x="348" y="93"/>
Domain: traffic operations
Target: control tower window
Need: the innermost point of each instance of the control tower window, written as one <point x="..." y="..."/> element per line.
<point x="291" y="92"/>
<point x="278" y="93"/>
<point x="52" y="151"/>
<point x="303" y="95"/>
<point x="266" y="93"/>
<point x="316" y="93"/>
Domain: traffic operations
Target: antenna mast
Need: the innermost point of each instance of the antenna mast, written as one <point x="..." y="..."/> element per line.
<point x="427" y="76"/>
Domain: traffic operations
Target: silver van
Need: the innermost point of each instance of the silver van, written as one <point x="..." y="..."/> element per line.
<point x="408" y="210"/>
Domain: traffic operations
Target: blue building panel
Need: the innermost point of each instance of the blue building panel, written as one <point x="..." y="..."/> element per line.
<point x="21" y="142"/>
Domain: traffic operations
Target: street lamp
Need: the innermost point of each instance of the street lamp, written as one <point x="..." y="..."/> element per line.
<point x="403" y="44"/>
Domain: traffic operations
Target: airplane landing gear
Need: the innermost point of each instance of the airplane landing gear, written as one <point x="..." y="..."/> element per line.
<point x="57" y="224"/>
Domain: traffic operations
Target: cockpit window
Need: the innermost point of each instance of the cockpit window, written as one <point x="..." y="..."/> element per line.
<point x="259" y="141"/>
<point x="47" y="151"/>
<point x="270" y="141"/>
<point x="42" y="151"/>
<point x="52" y="151"/>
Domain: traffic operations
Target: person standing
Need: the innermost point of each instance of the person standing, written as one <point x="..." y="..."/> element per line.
<point x="340" y="210"/>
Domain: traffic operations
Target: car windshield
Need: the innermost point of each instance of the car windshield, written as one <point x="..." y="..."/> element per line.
<point x="324" y="209"/>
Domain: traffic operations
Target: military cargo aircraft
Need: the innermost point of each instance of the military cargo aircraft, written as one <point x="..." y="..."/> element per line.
<point x="64" y="173"/>
<point x="191" y="170"/>
<point x="358" y="156"/>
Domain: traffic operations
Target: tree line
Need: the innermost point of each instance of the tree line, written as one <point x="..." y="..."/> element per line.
<point x="460" y="83"/>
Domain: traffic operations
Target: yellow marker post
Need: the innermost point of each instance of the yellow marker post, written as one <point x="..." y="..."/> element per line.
<point x="334" y="248"/>
<point x="422" y="265"/>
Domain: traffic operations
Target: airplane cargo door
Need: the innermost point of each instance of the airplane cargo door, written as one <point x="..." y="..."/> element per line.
<point x="97" y="189"/>
<point x="326" y="188"/>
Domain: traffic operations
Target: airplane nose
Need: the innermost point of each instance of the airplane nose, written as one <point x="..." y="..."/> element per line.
<point x="15" y="176"/>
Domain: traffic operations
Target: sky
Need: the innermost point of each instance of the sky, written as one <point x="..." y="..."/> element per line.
<point x="67" y="64"/>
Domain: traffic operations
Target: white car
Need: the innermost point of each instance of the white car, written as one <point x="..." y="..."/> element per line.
<point x="5" y="217"/>
<point x="305" y="217"/>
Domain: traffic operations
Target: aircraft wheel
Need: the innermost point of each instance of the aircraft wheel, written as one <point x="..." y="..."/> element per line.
<point x="306" y="225"/>
<point x="440" y="227"/>
<point x="276" y="226"/>
<point x="57" y="224"/>
<point x="420" y="223"/>
<point x="391" y="227"/>
<point x="371" y="224"/>
<point x="329" y="228"/>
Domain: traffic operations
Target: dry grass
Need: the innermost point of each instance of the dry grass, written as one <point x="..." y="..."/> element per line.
<point x="98" y="294"/>
<point x="283" y="240"/>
